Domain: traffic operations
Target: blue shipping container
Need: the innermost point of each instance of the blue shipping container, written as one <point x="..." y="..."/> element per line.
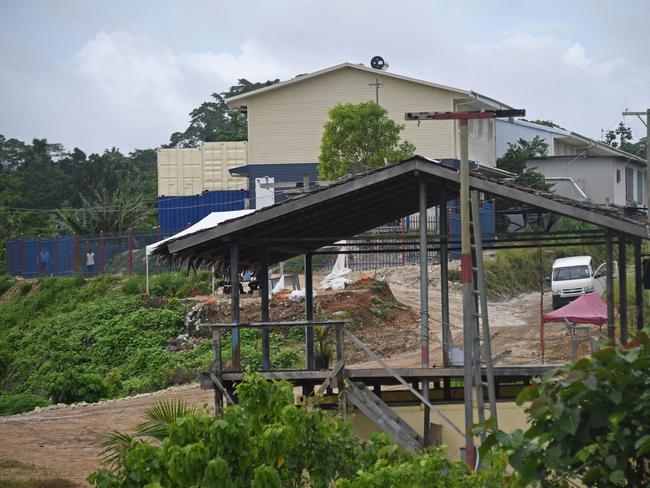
<point x="178" y="213"/>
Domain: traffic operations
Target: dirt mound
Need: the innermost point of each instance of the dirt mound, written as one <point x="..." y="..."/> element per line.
<point x="377" y="318"/>
<point x="409" y="276"/>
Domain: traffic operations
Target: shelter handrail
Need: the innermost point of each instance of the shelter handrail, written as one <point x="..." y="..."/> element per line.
<point x="394" y="373"/>
<point x="262" y="325"/>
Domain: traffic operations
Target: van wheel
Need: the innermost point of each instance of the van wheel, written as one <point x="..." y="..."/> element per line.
<point x="556" y="303"/>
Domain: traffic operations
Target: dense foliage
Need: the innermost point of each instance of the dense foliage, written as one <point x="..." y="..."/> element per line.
<point x="266" y="441"/>
<point x="214" y="121"/>
<point x="71" y="339"/>
<point x="358" y="137"/>
<point x="46" y="189"/>
<point x="589" y="420"/>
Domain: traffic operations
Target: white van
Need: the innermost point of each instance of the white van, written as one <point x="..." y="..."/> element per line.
<point x="573" y="277"/>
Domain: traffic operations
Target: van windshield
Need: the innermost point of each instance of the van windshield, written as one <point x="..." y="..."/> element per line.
<point x="570" y="273"/>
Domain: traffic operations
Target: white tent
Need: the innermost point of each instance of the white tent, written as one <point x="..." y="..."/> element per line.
<point x="209" y="222"/>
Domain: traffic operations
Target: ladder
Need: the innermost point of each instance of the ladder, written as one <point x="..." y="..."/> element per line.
<point x="481" y="347"/>
<point x="383" y="416"/>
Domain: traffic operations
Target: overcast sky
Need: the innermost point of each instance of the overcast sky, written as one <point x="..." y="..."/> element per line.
<point x="126" y="73"/>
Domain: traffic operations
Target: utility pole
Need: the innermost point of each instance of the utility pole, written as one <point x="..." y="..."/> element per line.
<point x="466" y="271"/>
<point x="377" y="84"/>
<point x="647" y="155"/>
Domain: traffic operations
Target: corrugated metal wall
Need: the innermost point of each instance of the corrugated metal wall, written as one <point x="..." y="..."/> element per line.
<point x="178" y="213"/>
<point x="191" y="171"/>
<point x="280" y="173"/>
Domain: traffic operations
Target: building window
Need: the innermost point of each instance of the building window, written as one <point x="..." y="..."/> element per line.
<point x="490" y="129"/>
<point x="639" y="186"/>
<point x="618" y="176"/>
<point x="629" y="184"/>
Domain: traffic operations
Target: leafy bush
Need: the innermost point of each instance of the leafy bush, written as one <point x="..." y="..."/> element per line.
<point x="178" y="284"/>
<point x="266" y="441"/>
<point x="22" y="402"/>
<point x="6" y="282"/>
<point x="78" y="388"/>
<point x="24" y="288"/>
<point x="589" y="420"/>
<point x="133" y="285"/>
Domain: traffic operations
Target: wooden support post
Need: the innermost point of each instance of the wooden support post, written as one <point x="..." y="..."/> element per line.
<point x="609" y="260"/>
<point x="424" y="299"/>
<point x="638" y="284"/>
<point x="622" y="289"/>
<point x="218" y="369"/>
<point x="444" y="278"/>
<point x="309" y="311"/>
<point x="263" y="278"/>
<point x="234" y="304"/>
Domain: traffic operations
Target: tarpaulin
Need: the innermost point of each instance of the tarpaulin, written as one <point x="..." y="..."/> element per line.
<point x="587" y="309"/>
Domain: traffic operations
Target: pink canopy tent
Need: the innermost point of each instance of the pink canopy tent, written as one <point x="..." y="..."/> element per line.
<point x="587" y="309"/>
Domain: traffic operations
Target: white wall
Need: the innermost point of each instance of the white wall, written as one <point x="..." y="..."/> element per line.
<point x="596" y="176"/>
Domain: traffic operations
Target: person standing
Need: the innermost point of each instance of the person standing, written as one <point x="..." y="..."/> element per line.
<point x="90" y="262"/>
<point x="45" y="261"/>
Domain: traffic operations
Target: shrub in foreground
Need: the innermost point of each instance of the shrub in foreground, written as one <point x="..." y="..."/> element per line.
<point x="589" y="420"/>
<point x="266" y="441"/>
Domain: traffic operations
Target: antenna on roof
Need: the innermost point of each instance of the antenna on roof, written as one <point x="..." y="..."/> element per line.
<point x="377" y="62"/>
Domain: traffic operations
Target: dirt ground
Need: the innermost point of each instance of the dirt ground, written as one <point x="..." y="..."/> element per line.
<point x="64" y="442"/>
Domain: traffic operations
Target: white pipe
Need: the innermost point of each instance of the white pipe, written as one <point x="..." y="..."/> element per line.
<point x="568" y="178"/>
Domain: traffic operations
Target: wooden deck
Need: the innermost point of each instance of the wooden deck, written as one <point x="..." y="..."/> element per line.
<point x="446" y="384"/>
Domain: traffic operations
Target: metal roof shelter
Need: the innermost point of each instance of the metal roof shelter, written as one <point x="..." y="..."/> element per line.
<point x="350" y="207"/>
<point x="365" y="201"/>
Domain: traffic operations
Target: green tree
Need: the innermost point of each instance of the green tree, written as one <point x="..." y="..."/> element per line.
<point x="516" y="160"/>
<point x="214" y="121"/>
<point x="589" y="420"/>
<point x="358" y="137"/>
<point x="621" y="138"/>
<point x="120" y="211"/>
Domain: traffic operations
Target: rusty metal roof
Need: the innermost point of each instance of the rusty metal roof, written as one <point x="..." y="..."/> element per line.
<point x="363" y="202"/>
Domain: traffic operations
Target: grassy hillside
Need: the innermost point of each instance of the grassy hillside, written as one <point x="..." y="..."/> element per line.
<point x="72" y="339"/>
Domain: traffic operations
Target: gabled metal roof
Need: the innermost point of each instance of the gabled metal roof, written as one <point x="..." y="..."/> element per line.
<point x="233" y="101"/>
<point x="363" y="202"/>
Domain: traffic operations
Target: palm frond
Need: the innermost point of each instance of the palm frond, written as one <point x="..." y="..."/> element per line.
<point x="161" y="415"/>
<point x="115" y="447"/>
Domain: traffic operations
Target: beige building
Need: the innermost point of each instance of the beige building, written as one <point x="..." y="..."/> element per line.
<point x="285" y="120"/>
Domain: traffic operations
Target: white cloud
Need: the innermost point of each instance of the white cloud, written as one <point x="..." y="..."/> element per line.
<point x="147" y="89"/>
<point x="576" y="56"/>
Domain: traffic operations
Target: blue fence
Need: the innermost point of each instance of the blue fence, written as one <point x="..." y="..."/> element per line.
<point x="87" y="255"/>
